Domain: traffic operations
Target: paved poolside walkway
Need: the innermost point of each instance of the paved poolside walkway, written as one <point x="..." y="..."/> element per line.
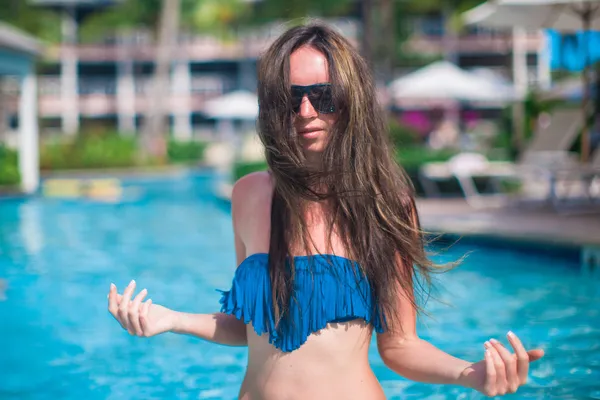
<point x="539" y="225"/>
<point x="455" y="216"/>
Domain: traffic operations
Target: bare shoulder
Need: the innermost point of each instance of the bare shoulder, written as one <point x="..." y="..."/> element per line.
<point x="252" y="186"/>
<point x="252" y="191"/>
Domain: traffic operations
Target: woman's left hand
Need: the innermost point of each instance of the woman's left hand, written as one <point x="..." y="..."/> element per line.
<point x="500" y="372"/>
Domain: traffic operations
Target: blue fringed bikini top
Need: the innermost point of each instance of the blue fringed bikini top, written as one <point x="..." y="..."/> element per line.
<point x="327" y="288"/>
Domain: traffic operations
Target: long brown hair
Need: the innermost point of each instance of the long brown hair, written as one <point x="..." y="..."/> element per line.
<point x="369" y="199"/>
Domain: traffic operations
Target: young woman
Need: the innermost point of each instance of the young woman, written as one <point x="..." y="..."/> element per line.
<point x="328" y="246"/>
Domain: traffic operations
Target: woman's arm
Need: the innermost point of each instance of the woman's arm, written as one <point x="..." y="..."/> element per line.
<point x="402" y="351"/>
<point x="219" y="327"/>
<point x="147" y="319"/>
<point x="414" y="358"/>
<point x="418" y="360"/>
<point x="500" y="371"/>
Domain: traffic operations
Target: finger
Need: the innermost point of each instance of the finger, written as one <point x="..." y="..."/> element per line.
<point x="535" y="354"/>
<point x="490" y="375"/>
<point x="119" y="297"/>
<point x="144" y="316"/>
<point x="113" y="305"/>
<point x="134" y="312"/>
<point x="501" y="382"/>
<point x="510" y="364"/>
<point x="522" y="357"/>
<point x="124" y="307"/>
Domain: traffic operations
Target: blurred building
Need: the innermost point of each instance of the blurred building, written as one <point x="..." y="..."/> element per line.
<point x="106" y="83"/>
<point x="18" y="53"/>
<point x="477" y="47"/>
<point x="516" y="57"/>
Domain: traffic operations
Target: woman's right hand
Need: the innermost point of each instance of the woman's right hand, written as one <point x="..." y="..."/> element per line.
<point x="136" y="316"/>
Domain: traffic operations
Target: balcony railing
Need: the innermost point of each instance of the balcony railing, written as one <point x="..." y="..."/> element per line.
<point x="428" y="36"/>
<point x="49" y="85"/>
<point x="481" y="43"/>
<point x="139" y="45"/>
<point x="88" y="86"/>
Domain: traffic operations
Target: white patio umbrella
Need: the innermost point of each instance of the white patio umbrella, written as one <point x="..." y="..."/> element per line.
<point x="239" y="104"/>
<point x="445" y="81"/>
<point x="562" y="15"/>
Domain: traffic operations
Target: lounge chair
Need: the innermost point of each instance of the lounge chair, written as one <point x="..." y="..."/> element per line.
<point x="537" y="169"/>
<point x="558" y="134"/>
<point x="577" y="187"/>
<point x="466" y="168"/>
<point x="559" y="178"/>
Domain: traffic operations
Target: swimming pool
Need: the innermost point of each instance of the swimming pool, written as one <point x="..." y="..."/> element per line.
<point x="58" y="341"/>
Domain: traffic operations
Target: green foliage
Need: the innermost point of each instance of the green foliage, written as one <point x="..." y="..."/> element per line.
<point x="411" y="158"/>
<point x="427" y="6"/>
<point x="102" y="149"/>
<point x="402" y="135"/>
<point x="9" y="166"/>
<point x="214" y="16"/>
<point x="242" y="168"/>
<point x="129" y="14"/>
<point x="90" y="151"/>
<point x="408" y="58"/>
<point x="269" y="10"/>
<point x="185" y="152"/>
<point x="502" y="147"/>
<point x="534" y="106"/>
<point x="220" y="17"/>
<point x="36" y="20"/>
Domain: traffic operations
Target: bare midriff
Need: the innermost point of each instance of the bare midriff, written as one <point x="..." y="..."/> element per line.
<point x="332" y="364"/>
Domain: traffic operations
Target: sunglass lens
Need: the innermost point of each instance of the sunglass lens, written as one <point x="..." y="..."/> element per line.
<point x="297" y="95"/>
<point x="322" y="99"/>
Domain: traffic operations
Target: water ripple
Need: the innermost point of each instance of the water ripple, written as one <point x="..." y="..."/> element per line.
<point x="58" y="258"/>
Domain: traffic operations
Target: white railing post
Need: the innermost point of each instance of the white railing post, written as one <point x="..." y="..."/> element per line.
<point x="180" y="97"/>
<point x="28" y="134"/>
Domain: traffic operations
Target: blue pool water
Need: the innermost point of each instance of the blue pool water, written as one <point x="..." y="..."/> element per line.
<point x="57" y="340"/>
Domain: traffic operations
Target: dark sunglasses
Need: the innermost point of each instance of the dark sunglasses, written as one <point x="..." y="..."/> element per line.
<point x="319" y="95"/>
